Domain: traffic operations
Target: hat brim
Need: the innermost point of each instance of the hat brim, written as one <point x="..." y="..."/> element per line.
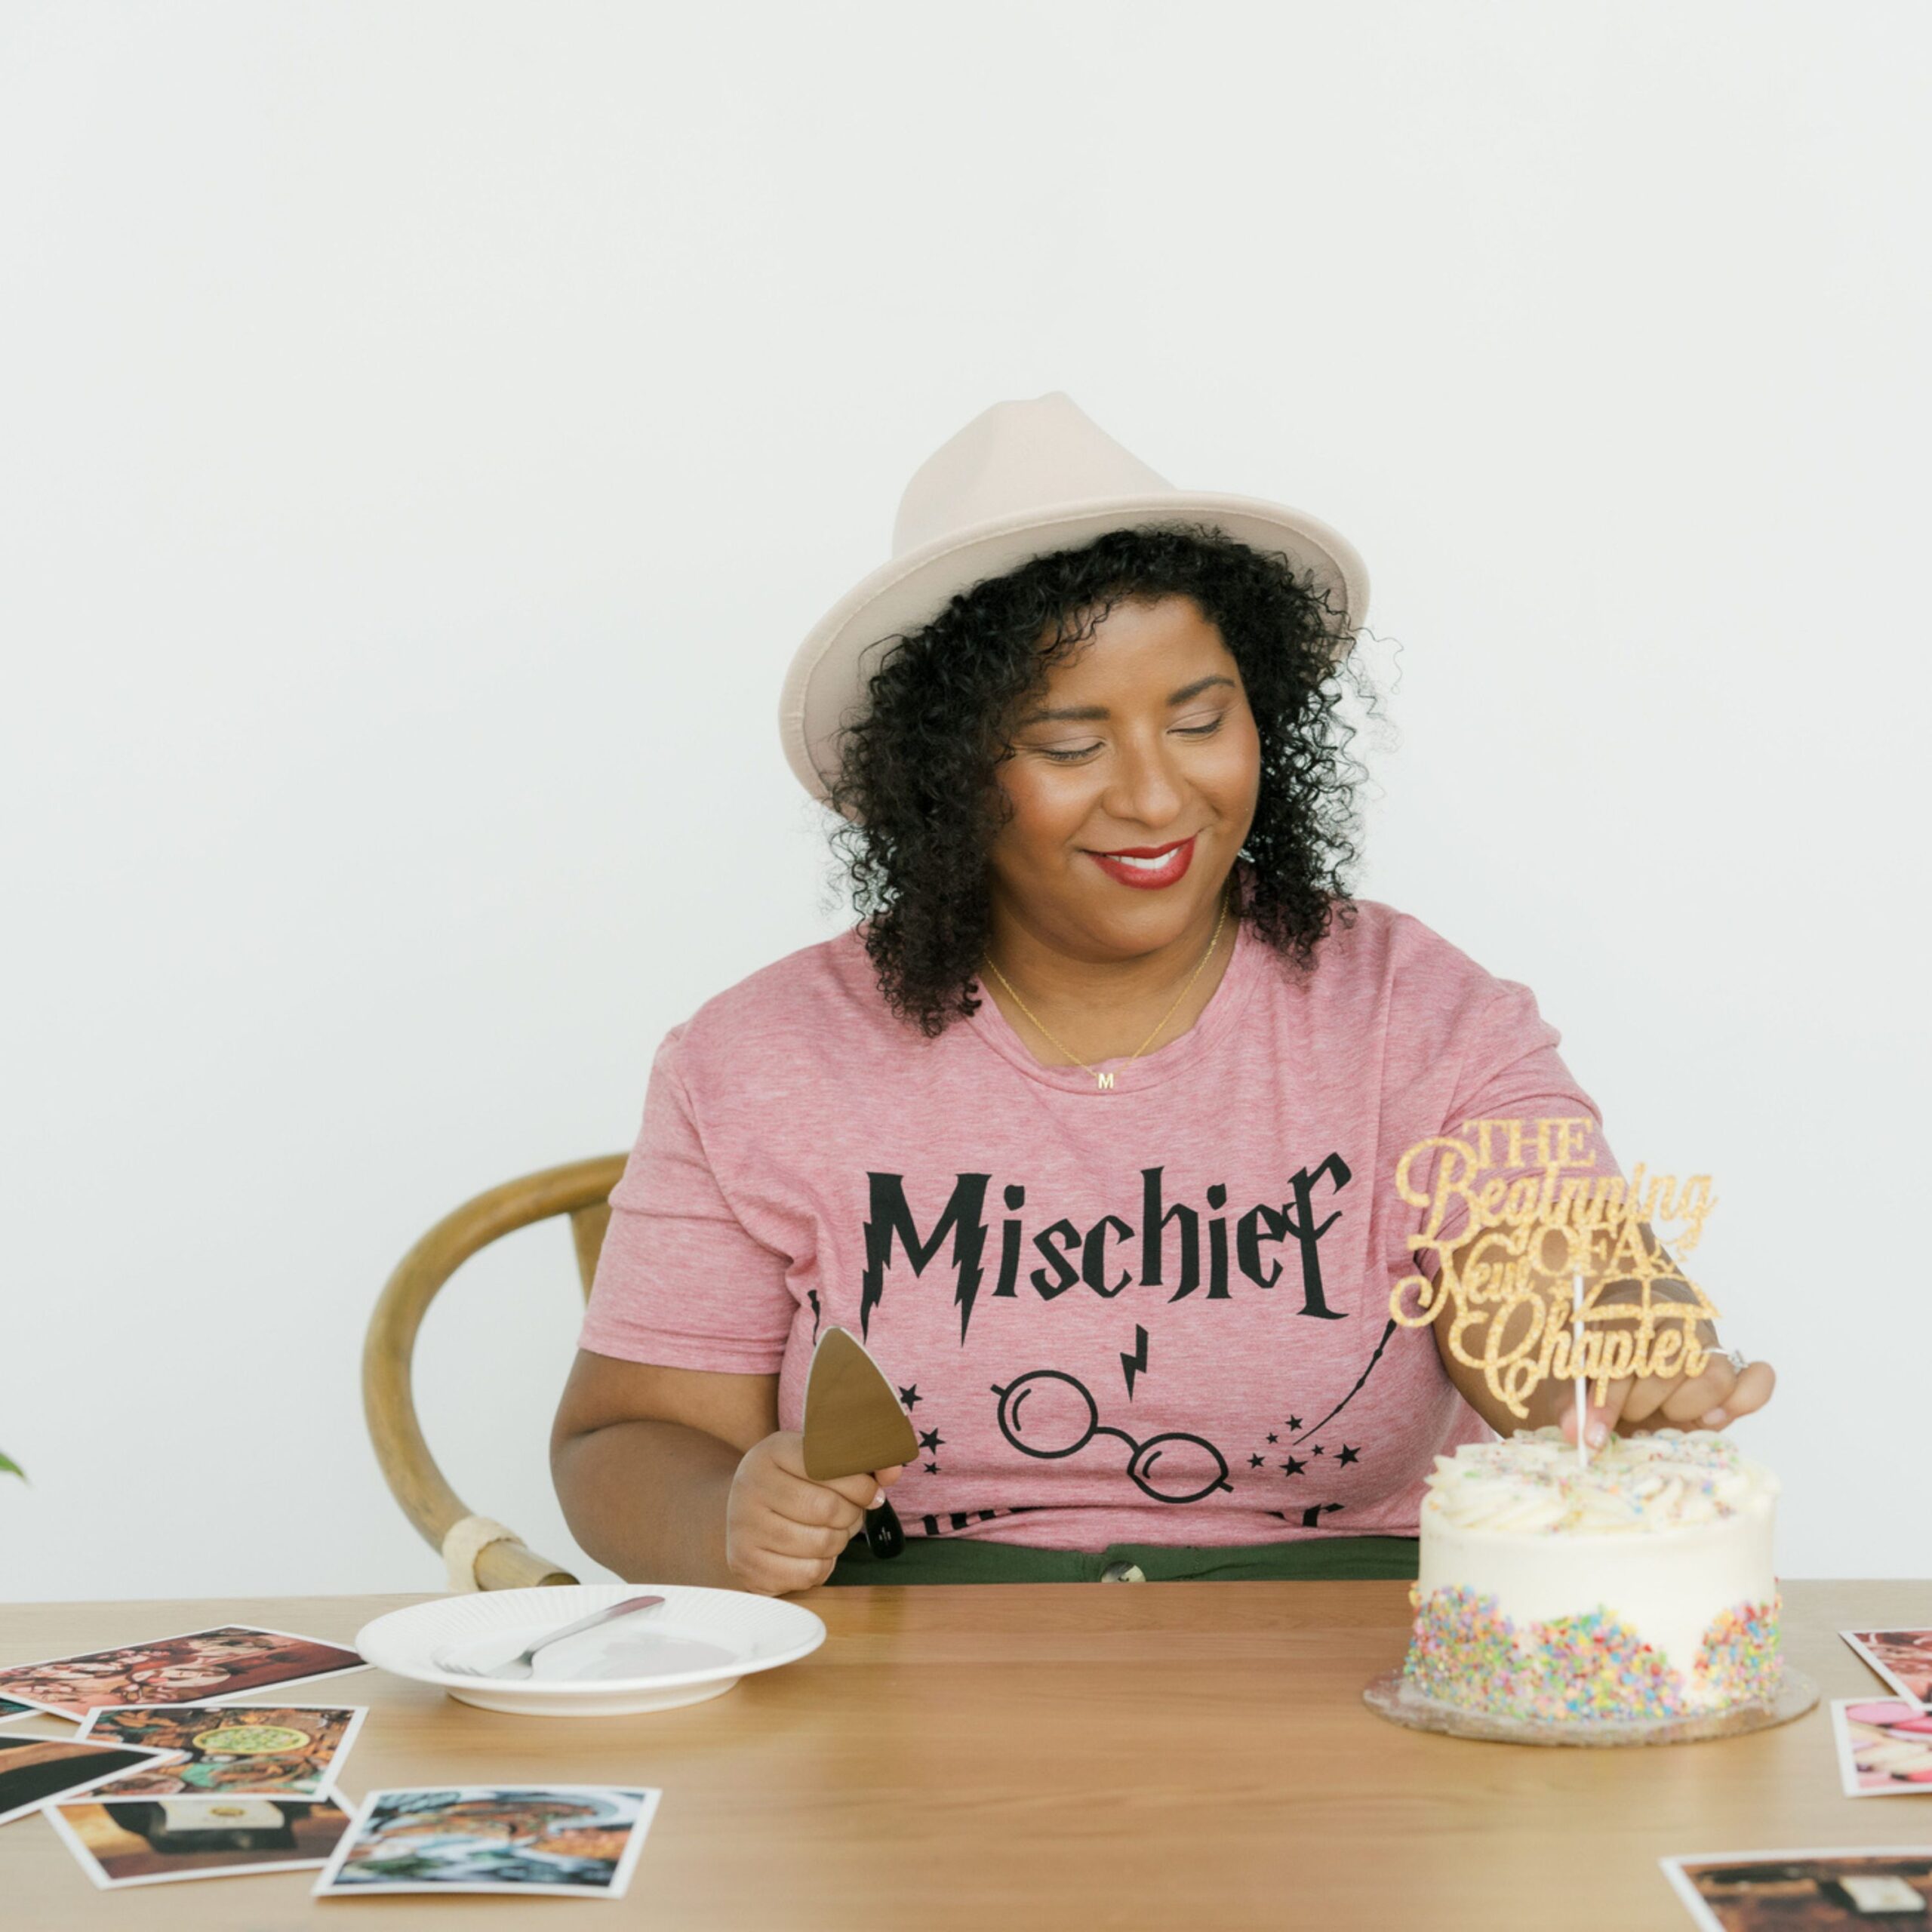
<point x="824" y="688"/>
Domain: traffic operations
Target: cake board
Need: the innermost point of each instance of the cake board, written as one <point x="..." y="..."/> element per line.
<point x="1390" y="1695"/>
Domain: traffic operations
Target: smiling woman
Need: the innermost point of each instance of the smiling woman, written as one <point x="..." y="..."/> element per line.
<point x="1088" y="1126"/>
<point x="1112" y="757"/>
<point x="1162" y="690"/>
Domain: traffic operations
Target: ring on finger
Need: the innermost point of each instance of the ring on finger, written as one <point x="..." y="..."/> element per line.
<point x="1736" y="1358"/>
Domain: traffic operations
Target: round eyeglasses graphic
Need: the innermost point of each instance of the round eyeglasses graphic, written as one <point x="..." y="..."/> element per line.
<point x="1050" y="1415"/>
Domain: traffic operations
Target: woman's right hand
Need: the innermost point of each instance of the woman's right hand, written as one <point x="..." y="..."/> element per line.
<point x="782" y="1531"/>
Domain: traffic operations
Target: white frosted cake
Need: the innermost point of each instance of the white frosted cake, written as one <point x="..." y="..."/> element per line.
<point x="1637" y="1587"/>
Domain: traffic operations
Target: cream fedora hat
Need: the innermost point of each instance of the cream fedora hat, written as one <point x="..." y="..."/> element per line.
<point x="1021" y="478"/>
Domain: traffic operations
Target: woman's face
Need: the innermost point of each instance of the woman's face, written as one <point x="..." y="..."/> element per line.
<point x="1142" y="742"/>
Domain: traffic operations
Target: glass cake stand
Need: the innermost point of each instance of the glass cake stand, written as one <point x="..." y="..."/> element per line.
<point x="1392" y="1695"/>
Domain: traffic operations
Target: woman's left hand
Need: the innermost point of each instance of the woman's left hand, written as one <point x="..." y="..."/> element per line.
<point x="1713" y="1400"/>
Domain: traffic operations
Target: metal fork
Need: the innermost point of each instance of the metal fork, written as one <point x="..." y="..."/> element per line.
<point x="519" y="1666"/>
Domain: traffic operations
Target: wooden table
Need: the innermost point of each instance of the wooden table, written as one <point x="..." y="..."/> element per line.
<point x="1062" y="1756"/>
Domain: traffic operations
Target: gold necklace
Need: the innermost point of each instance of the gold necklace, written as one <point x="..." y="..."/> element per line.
<point x="1104" y="1082"/>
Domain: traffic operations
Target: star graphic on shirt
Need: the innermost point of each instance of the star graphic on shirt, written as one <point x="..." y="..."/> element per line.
<point x="1293" y="1467"/>
<point x="1255" y="1461"/>
<point x="1319" y="1450"/>
<point x="1349" y="1455"/>
<point x="910" y="1398"/>
<point x="1294" y="1421"/>
<point x="932" y="1468"/>
<point x="930" y="1439"/>
<point x="1274" y="1438"/>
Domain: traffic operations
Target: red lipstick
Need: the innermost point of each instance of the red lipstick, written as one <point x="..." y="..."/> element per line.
<point x="1147" y="867"/>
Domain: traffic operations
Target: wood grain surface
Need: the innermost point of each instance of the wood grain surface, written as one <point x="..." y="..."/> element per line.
<point x="1003" y="1758"/>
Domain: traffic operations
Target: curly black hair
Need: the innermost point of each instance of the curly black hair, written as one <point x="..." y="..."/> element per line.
<point x="917" y="780"/>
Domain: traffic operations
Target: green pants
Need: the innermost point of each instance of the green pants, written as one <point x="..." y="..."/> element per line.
<point x="971" y="1560"/>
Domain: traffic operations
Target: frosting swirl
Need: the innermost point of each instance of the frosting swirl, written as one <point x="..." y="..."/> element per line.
<point x="1532" y="1484"/>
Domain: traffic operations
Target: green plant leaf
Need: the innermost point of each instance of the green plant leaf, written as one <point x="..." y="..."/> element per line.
<point x="9" y="1467"/>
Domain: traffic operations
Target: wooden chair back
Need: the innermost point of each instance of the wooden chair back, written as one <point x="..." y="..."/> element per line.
<point x="580" y="1190"/>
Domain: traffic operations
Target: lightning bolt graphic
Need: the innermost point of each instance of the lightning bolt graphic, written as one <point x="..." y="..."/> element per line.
<point x="1132" y="1365"/>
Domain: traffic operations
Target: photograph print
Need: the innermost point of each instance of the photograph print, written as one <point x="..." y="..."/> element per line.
<point x="1804" y="1891"/>
<point x="580" y="1840"/>
<point x="256" y="1750"/>
<point x="1903" y="1658"/>
<point x="201" y="1667"/>
<point x="33" y="1769"/>
<point x="1884" y="1747"/>
<point x="149" y="1841"/>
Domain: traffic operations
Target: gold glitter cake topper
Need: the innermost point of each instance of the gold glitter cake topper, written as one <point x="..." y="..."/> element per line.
<point x="1528" y="1269"/>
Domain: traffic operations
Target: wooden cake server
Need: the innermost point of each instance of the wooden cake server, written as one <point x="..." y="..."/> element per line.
<point x="853" y="1425"/>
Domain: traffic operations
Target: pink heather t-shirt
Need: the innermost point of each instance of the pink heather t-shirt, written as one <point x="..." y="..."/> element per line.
<point x="1156" y="1315"/>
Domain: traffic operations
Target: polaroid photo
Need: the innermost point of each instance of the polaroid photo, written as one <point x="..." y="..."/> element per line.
<point x="1903" y="1658"/>
<point x="34" y="1770"/>
<point x="8" y="1708"/>
<point x="201" y="1667"/>
<point x="150" y="1841"/>
<point x="230" y="1750"/>
<point x="1884" y="1746"/>
<point x="1821" y="1891"/>
<point x="573" y="1841"/>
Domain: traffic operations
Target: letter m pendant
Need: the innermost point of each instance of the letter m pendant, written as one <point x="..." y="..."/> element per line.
<point x="1106" y="1081"/>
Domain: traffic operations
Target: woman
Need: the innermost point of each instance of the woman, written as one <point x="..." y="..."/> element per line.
<point x="1089" y="1129"/>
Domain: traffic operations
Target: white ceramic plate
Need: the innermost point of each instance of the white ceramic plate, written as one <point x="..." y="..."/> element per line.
<point x="696" y="1644"/>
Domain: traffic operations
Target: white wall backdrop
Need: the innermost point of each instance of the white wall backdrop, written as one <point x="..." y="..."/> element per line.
<point x="428" y="428"/>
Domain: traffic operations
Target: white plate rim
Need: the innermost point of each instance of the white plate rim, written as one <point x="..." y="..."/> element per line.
<point x="810" y="1638"/>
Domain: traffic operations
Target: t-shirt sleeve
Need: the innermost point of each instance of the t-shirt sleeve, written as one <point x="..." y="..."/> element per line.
<point x="1509" y="1070"/>
<point x="680" y="1283"/>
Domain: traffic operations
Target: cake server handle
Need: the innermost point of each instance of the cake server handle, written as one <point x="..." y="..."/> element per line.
<point x="885" y="1535"/>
